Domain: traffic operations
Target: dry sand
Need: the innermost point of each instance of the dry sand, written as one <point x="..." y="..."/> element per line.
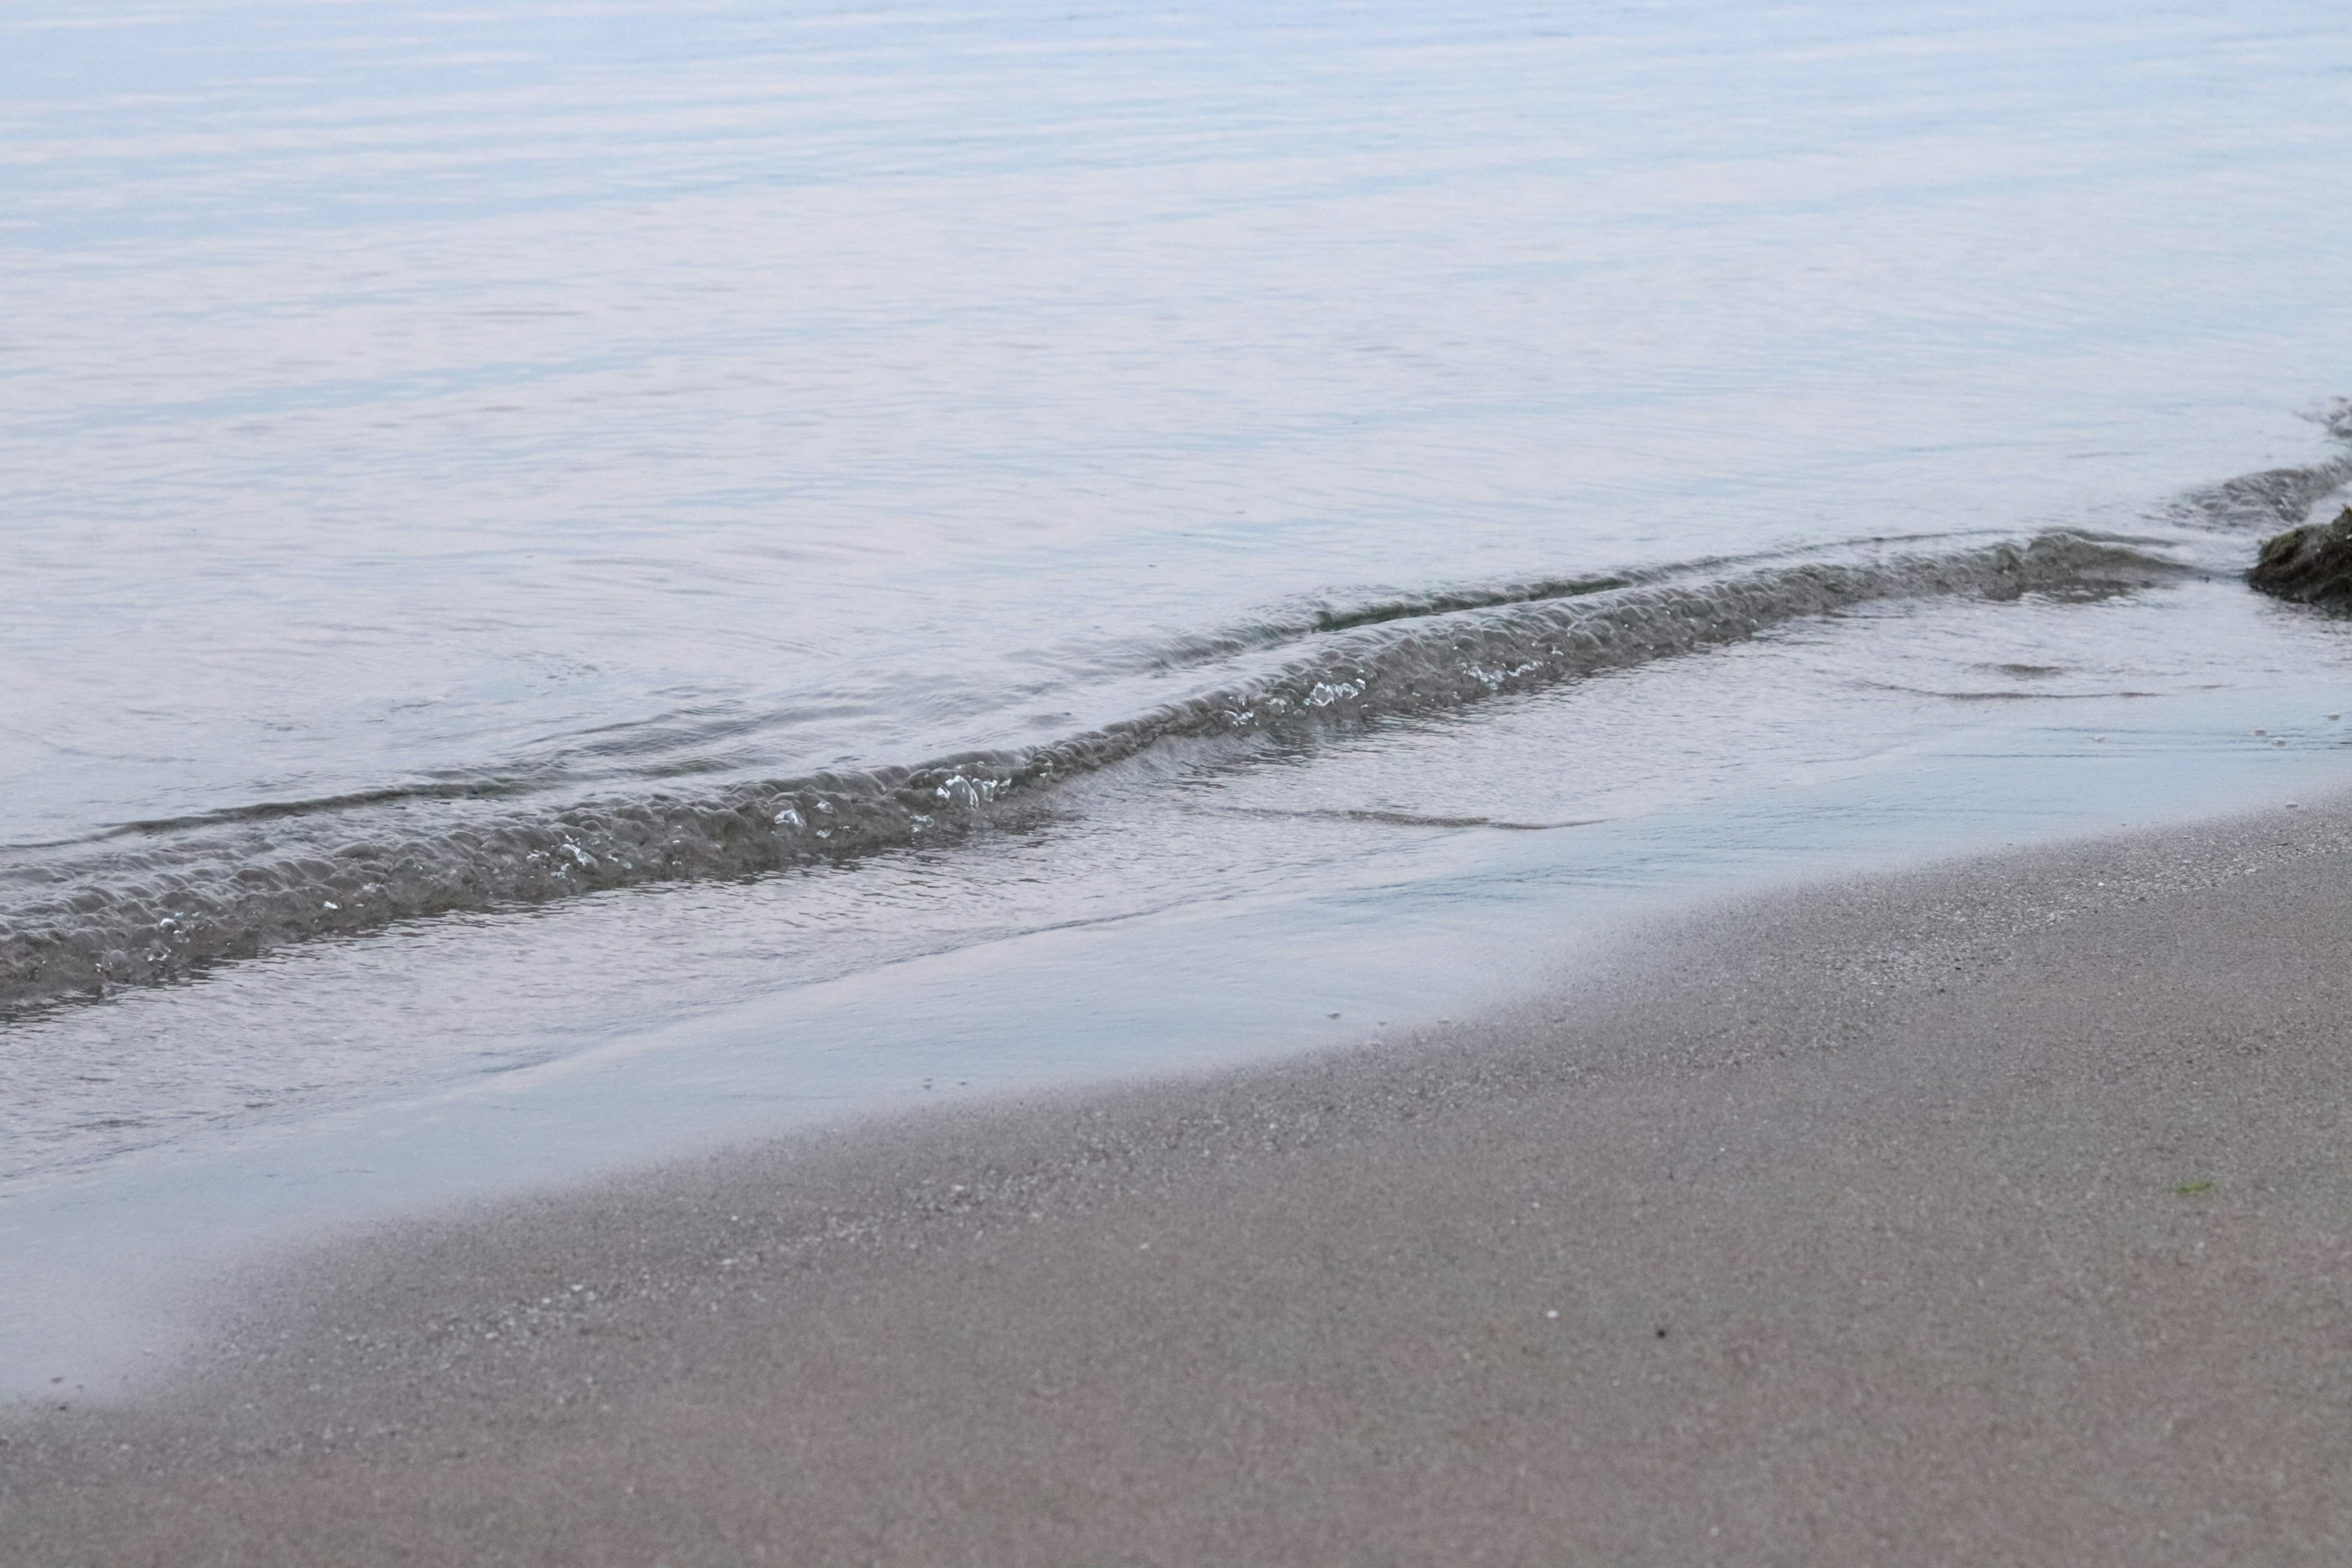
<point x="1997" y="1215"/>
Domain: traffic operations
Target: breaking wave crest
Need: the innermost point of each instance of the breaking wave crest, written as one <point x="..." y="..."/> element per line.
<point x="181" y="896"/>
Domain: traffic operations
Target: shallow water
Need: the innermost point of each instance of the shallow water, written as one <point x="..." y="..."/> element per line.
<point x="530" y="528"/>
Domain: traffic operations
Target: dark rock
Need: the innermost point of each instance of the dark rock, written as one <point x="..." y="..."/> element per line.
<point x="2311" y="564"/>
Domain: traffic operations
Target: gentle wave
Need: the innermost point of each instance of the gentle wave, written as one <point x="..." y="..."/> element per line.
<point x="197" y="893"/>
<point x="2274" y="498"/>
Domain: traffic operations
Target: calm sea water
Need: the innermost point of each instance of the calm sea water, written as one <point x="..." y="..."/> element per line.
<point x="527" y="524"/>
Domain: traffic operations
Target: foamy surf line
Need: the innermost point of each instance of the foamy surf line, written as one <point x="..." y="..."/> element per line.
<point x="184" y="899"/>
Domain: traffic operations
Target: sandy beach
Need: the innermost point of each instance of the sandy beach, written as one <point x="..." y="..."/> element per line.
<point x="1003" y="785"/>
<point x="1996" y="1213"/>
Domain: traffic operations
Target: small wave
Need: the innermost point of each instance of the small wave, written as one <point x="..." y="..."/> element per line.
<point x="2274" y="498"/>
<point x="269" y="810"/>
<point x="2264" y="502"/>
<point x="228" y="889"/>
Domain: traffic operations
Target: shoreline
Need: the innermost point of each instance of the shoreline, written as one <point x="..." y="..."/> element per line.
<point x="1988" y="1213"/>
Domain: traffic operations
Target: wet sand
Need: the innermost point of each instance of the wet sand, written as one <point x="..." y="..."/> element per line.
<point x="1997" y="1213"/>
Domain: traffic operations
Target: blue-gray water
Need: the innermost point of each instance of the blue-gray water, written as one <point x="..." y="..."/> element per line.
<point x="524" y="525"/>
